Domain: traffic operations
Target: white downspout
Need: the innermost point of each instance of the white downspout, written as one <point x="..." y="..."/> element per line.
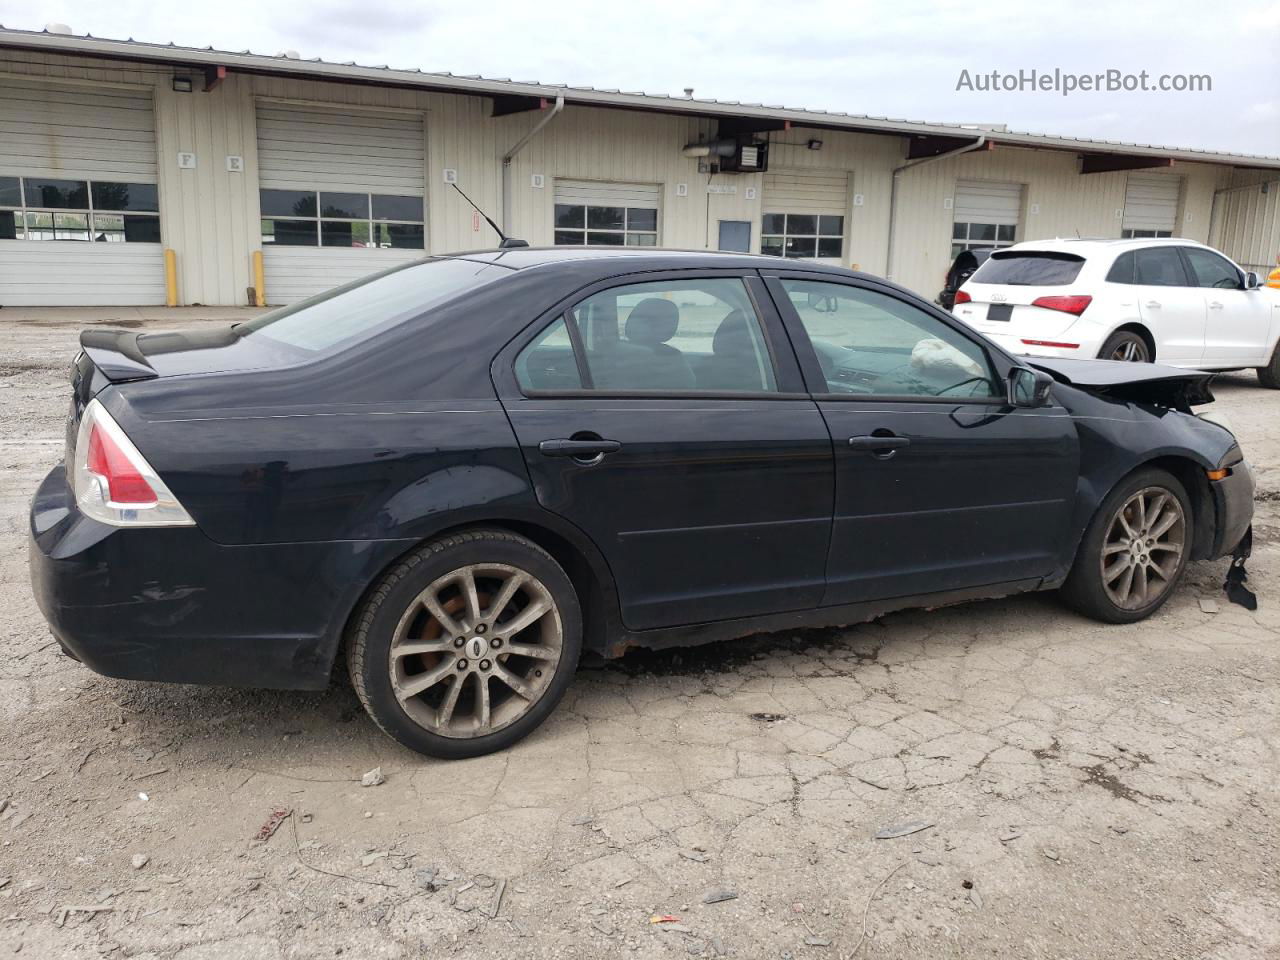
<point x="893" y="193"/>
<point x="506" y="161"/>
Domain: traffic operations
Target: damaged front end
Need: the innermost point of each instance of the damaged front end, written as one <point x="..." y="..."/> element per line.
<point x="1132" y="382"/>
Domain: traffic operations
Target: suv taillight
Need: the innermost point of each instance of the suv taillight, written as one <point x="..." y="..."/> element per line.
<point x="962" y="297"/>
<point x="112" y="481"/>
<point x="1075" y="305"/>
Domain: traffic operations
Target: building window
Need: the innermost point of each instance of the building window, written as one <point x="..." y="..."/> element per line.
<point x="589" y="225"/>
<point x="802" y="235"/>
<point x="45" y="208"/>
<point x="369" y="221"/>
<point x="1130" y="234"/>
<point x="980" y="236"/>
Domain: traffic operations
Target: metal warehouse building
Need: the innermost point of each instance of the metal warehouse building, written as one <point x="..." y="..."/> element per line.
<point x="208" y="177"/>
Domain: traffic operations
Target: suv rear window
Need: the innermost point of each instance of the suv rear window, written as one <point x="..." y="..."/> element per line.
<point x="1029" y="268"/>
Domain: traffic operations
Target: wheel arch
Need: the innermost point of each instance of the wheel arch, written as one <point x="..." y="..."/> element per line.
<point x="585" y="566"/>
<point x="1188" y="471"/>
<point x="1141" y="329"/>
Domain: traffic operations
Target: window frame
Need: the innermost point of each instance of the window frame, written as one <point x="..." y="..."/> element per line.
<point x="318" y="220"/>
<point x="1000" y="362"/>
<point x="586" y="229"/>
<point x="23" y="210"/>
<point x="967" y="242"/>
<point x="786" y="370"/>
<point x="817" y="237"/>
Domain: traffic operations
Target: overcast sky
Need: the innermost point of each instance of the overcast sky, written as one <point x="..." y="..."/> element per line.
<point x="899" y="58"/>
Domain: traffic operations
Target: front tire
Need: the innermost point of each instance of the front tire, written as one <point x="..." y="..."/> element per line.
<point x="1127" y="346"/>
<point x="467" y="644"/>
<point x="1269" y="376"/>
<point x="1134" y="551"/>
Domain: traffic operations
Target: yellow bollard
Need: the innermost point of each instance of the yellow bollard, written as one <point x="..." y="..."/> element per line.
<point x="259" y="280"/>
<point x="170" y="278"/>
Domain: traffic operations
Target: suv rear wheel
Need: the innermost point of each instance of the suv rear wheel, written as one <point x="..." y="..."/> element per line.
<point x="466" y="645"/>
<point x="1126" y="345"/>
<point x="1134" y="551"/>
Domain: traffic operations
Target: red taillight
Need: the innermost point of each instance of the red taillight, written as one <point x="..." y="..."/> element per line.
<point x="962" y="297"/>
<point x="1075" y="305"/>
<point x="124" y="483"/>
<point x="1052" y="343"/>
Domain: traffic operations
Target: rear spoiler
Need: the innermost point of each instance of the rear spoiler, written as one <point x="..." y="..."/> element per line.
<point x="116" y="353"/>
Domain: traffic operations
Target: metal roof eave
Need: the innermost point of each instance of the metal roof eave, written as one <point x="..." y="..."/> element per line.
<point x="176" y="56"/>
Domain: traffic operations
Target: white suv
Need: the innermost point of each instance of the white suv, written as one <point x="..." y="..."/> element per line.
<point x="1173" y="301"/>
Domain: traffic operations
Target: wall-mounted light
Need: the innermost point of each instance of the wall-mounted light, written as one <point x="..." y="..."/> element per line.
<point x="815" y="144"/>
<point x="181" y="84"/>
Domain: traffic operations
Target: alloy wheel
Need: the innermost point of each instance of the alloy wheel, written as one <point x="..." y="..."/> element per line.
<point x="1142" y="551"/>
<point x="476" y="650"/>
<point x="1130" y="351"/>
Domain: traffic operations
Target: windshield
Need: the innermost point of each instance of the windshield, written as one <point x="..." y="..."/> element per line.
<point x="353" y="312"/>
<point x="1030" y="268"/>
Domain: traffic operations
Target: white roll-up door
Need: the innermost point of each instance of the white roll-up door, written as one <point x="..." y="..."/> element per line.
<point x="597" y="213"/>
<point x="346" y="154"/>
<point x="1150" y="205"/>
<point x="79" y="216"/>
<point x="985" y="214"/>
<point x="981" y="201"/>
<point x="804" y="214"/>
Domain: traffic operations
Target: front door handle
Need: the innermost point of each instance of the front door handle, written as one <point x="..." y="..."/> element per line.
<point x="881" y="448"/>
<point x="1152" y="303"/>
<point x="578" y="449"/>
<point x="1215" y="305"/>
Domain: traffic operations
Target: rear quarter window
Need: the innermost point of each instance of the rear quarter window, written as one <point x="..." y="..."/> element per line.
<point x="1031" y="268"/>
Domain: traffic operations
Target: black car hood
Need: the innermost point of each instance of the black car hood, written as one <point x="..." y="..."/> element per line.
<point x="1134" y="382"/>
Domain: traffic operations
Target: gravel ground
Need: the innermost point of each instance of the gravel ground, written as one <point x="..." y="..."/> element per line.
<point x="1089" y="791"/>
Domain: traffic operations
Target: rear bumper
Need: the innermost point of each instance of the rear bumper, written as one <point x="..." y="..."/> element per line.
<point x="1233" y="498"/>
<point x="169" y="604"/>
<point x="1087" y="345"/>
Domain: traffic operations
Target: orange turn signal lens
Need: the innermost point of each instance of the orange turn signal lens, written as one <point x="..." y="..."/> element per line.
<point x="1221" y="474"/>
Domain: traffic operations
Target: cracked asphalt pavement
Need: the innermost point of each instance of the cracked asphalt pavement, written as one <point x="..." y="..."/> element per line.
<point x="1056" y="787"/>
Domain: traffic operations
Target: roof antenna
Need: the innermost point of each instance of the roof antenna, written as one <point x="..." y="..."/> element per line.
<point x="507" y="242"/>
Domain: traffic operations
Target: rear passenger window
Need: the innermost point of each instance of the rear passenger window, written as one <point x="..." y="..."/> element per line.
<point x="675" y="336"/>
<point x="1159" y="267"/>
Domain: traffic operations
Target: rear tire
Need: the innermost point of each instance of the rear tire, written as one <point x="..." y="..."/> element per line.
<point x="467" y="644"/>
<point x="1269" y="376"/>
<point x="1127" y="346"/>
<point x="1134" y="551"/>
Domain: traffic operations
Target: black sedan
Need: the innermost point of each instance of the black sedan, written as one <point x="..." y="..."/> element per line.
<point x="464" y="473"/>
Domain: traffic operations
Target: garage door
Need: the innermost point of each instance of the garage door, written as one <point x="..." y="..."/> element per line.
<point x="78" y="165"/>
<point x="594" y="213"/>
<point x="985" y="214"/>
<point x="341" y="195"/>
<point x="804" y="214"/>
<point x="1150" y="205"/>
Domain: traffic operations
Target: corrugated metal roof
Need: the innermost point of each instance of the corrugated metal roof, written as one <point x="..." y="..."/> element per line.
<point x="350" y="72"/>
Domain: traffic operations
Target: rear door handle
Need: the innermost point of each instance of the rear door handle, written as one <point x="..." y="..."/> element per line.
<point x="578" y="449"/>
<point x="880" y="447"/>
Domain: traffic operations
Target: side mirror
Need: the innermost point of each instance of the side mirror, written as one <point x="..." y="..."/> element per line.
<point x="1029" y="388"/>
<point x="1251" y="281"/>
